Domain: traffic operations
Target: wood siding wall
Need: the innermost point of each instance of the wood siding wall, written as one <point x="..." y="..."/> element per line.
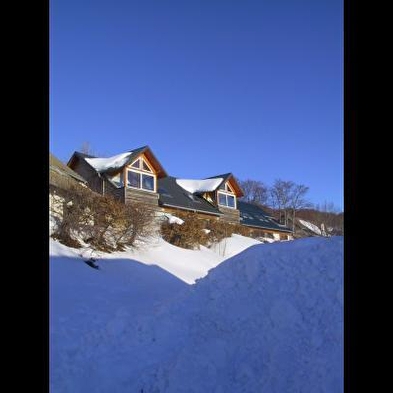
<point x="110" y="189"/>
<point x="230" y="215"/>
<point x="89" y="174"/>
<point x="255" y="232"/>
<point x="61" y="180"/>
<point x="144" y="197"/>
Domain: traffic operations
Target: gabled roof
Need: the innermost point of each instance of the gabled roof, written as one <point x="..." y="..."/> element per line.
<point x="254" y="216"/>
<point x="57" y="167"/>
<point x="112" y="165"/>
<point x="172" y="195"/>
<point x="229" y="177"/>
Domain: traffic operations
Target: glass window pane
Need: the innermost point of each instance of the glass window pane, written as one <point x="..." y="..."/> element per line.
<point x="222" y="199"/>
<point x="134" y="179"/>
<point x="231" y="201"/>
<point x="148" y="182"/>
<point x="136" y="164"/>
<point x="222" y="186"/>
<point x="145" y="167"/>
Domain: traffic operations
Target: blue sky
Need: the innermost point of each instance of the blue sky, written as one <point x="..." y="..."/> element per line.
<point x="249" y="87"/>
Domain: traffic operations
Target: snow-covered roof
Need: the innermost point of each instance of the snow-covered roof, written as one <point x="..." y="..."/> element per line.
<point x="197" y="186"/>
<point x="114" y="162"/>
<point x="310" y="226"/>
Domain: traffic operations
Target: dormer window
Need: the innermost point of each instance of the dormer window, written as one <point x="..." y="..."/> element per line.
<point x="226" y="196"/>
<point x="140" y="175"/>
<point x="140" y="163"/>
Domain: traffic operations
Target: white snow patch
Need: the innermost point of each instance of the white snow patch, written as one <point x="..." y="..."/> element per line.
<point x="310" y="226"/>
<point x="194" y="186"/>
<point x="233" y="245"/>
<point x="102" y="164"/>
<point x="173" y="219"/>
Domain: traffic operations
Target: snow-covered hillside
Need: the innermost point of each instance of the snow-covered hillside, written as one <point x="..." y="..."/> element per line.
<point x="268" y="319"/>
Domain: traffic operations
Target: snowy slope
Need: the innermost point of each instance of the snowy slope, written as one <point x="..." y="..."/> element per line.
<point x="187" y="265"/>
<point x="268" y="319"/>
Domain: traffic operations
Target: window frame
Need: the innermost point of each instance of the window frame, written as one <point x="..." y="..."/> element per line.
<point x="141" y="172"/>
<point x="227" y="192"/>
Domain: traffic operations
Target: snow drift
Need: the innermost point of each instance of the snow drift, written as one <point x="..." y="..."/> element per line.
<point x="269" y="319"/>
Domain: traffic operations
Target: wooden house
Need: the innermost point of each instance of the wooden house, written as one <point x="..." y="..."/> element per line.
<point x="138" y="176"/>
<point x="130" y="176"/>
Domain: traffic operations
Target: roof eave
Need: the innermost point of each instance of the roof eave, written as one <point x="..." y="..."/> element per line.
<point x="190" y="209"/>
<point x="269" y="229"/>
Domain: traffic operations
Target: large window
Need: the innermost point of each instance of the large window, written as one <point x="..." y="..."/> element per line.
<point x="226" y="200"/>
<point x="138" y="178"/>
<point x="226" y="197"/>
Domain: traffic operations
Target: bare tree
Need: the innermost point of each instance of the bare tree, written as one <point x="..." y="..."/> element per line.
<point x="87" y="149"/>
<point x="254" y="191"/>
<point x="281" y="194"/>
<point x="298" y="201"/>
<point x="330" y="218"/>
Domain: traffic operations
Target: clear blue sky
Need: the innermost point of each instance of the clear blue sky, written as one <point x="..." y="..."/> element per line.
<point x="212" y="86"/>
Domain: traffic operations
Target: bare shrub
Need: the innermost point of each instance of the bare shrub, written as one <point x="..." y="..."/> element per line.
<point x="196" y="231"/>
<point x="135" y="225"/>
<point x="101" y="221"/>
<point x="219" y="230"/>
<point x="189" y="235"/>
<point x="242" y="230"/>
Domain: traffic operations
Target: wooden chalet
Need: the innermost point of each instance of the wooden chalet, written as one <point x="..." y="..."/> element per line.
<point x="137" y="176"/>
<point x="129" y="177"/>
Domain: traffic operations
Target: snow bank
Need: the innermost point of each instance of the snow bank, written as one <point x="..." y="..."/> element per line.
<point x="187" y="265"/>
<point x="103" y="164"/>
<point x="233" y="245"/>
<point x="266" y="320"/>
<point x="198" y="186"/>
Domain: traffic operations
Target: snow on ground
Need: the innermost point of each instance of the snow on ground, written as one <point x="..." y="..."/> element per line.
<point x="173" y="219"/>
<point x="312" y="227"/>
<point x="205" y="185"/>
<point x="268" y="319"/>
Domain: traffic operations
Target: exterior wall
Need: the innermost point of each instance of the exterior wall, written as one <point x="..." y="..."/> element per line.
<point x="273" y="234"/>
<point x="87" y="172"/>
<point x="110" y="189"/>
<point x="60" y="180"/>
<point x="150" y="199"/>
<point x="230" y="215"/>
